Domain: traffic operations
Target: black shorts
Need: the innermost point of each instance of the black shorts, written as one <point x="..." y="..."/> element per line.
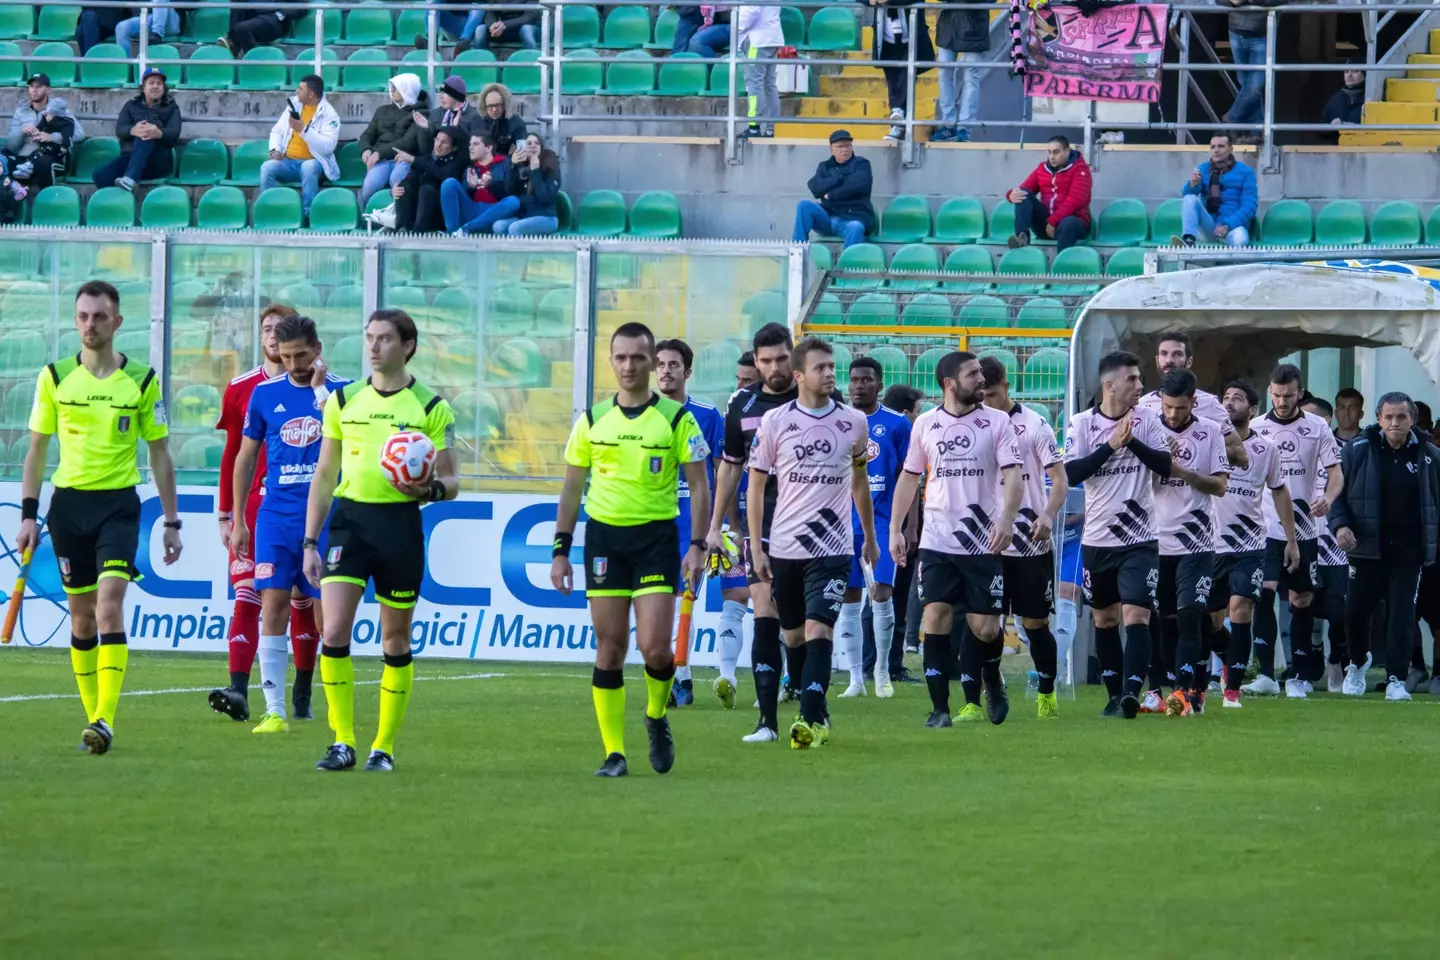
<point x="972" y="583"/>
<point x="1305" y="579"/>
<point x="1120" y="575"/>
<point x="1185" y="581"/>
<point x="383" y="542"/>
<point x="810" y="589"/>
<point x="1329" y="603"/>
<point x="631" y="561"/>
<point x="1237" y="575"/>
<point x="94" y="534"/>
<point x="1030" y="586"/>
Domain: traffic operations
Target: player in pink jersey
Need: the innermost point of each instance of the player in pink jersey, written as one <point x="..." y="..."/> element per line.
<point x="1308" y="452"/>
<point x="815" y="449"/>
<point x="1239" y="531"/>
<point x="1173" y="353"/>
<point x="1029" y="557"/>
<point x="970" y="458"/>
<point x="1333" y="580"/>
<point x="1114" y="449"/>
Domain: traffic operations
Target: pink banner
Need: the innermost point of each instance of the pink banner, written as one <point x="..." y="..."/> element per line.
<point x="1113" y="54"/>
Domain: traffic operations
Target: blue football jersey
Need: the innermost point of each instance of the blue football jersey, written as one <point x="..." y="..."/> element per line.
<point x="286" y="418"/>
<point x="712" y="426"/>
<point x="889" y="442"/>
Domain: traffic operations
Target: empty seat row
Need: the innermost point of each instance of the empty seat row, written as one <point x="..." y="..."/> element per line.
<point x="973" y="259"/>
<point x="937" y="310"/>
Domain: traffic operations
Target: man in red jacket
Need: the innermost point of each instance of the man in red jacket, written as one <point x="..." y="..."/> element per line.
<point x="1054" y="200"/>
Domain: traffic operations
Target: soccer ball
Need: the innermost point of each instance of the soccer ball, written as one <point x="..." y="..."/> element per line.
<point x="408" y="457"/>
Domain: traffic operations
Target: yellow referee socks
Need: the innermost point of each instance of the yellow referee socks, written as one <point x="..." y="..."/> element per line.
<point x="657" y="691"/>
<point x="395" y="684"/>
<point x="337" y="676"/>
<point x="113" y="656"/>
<point x="608" y="688"/>
<point x="85" y="661"/>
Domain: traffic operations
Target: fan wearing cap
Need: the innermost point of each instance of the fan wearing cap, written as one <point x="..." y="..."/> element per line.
<point x="417" y="200"/>
<point x="303" y="141"/>
<point x="841" y="188"/>
<point x="148" y="129"/>
<point x="454" y="111"/>
<point x="42" y="132"/>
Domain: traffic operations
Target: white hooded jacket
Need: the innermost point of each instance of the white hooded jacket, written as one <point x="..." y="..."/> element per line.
<point x="321" y="135"/>
<point x="760" y="26"/>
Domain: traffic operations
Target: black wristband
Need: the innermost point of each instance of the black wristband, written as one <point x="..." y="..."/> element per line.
<point x="437" y="490"/>
<point x="310" y="543"/>
<point x="561" y="547"/>
<point x="30" y="508"/>
<point x="702" y="544"/>
<point x="172" y="524"/>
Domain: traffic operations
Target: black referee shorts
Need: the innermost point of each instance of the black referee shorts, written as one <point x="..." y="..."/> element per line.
<point x="631" y="561"/>
<point x="379" y="542"/>
<point x="94" y="534"/>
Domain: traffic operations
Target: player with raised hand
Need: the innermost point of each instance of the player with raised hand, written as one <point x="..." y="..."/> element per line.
<point x="1173" y="353"/>
<point x="813" y="449"/>
<point x="632" y="448"/>
<point x="1113" y="448"/>
<point x="1029" y="557"/>
<point x="98" y="405"/>
<point x="284" y="420"/>
<point x="970" y="457"/>
<point x="375" y="528"/>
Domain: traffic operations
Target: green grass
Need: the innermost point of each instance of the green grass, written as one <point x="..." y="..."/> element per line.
<point x="1281" y="830"/>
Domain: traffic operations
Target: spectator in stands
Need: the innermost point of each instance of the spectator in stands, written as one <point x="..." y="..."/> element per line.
<point x="713" y="37"/>
<point x="392" y="130"/>
<point x="454" y="111"/>
<point x="164" y="22"/>
<point x="510" y="26"/>
<point x="689" y="22"/>
<point x="1054" y="200"/>
<point x="841" y="188"/>
<point x="892" y="46"/>
<point x="148" y="128"/>
<point x="42" y="132"/>
<point x="1346" y="105"/>
<point x="253" y="28"/>
<point x="461" y="26"/>
<point x="303" y="142"/>
<point x="500" y="120"/>
<point x="761" y="37"/>
<point x="465" y="202"/>
<point x="96" y="25"/>
<point x="1219" y="200"/>
<point x="960" y="36"/>
<point x="417" y="200"/>
<point x="1247" y="46"/>
<point x="534" y="183"/>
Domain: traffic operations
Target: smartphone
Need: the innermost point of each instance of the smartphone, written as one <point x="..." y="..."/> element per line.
<point x="294" y="110"/>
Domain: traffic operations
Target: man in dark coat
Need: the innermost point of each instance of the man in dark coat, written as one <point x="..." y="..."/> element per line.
<point x="148" y="129"/>
<point x="841" y="188"/>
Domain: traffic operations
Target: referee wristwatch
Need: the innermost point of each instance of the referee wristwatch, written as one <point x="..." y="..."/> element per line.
<point x="172" y="524"/>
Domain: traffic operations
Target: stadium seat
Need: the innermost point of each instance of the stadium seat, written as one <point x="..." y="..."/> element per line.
<point x="1123" y="223"/>
<point x="197" y="463"/>
<point x="927" y="310"/>
<point x="792" y="24"/>
<point x="163" y="55"/>
<point x="304" y="30"/>
<point x="555" y="317"/>
<point x="1043" y="313"/>
<point x="985" y="311"/>
<point x="245" y="163"/>
<point x="516" y="363"/>
<point x="862" y="256"/>
<point x="665" y="25"/>
<point x="368" y="28"/>
<point x="352" y="168"/>
<point x="334" y="210"/>
<point x="89" y="155"/>
<point x="277" y="209"/>
<point x="906" y="220"/>
<point x="12" y="71"/>
<point x="56" y="23"/>
<point x="103" y="75"/>
<point x="454" y="308"/>
<point x="720" y="81"/>
<point x="626" y="28"/>
<point x="411" y="299"/>
<point x="1044" y="376"/>
<point x="165" y="208"/>
<point x="204" y="24"/>
<point x="302" y="296"/>
<point x="365" y="71"/>
<point x="1026" y="261"/>
<point x="1288" y="223"/>
<point x="1129" y="262"/>
<point x="832" y="28"/>
<point x="601" y="214"/>
<point x="477" y="67"/>
<point x="632" y="75"/>
<point x="304" y="65"/>
<point x="923" y="375"/>
<point x="262" y="68"/>
<point x="1076" y="262"/>
<point x="969" y="259"/>
<point x="1396" y="224"/>
<point x="894" y="365"/>
<point x="16" y="412"/>
<point x="715" y="366"/>
<point x="766" y="306"/>
<point x="827" y="310"/>
<point x="821" y="257"/>
<point x="1002" y="222"/>
<point x="62" y="74"/>
<point x="580" y="25"/>
<point x="521" y="73"/>
<point x="195" y="407"/>
<point x="1007" y="359"/>
<point x="346" y="356"/>
<point x="110" y="207"/>
<point x="509" y="311"/>
<point x="17" y="22"/>
<point x="202" y="163"/>
<point x="682" y="79"/>
<point x="843" y="359"/>
<point x="959" y="220"/>
<point x="873" y="310"/>
<point x="919" y="257"/>
<point x="655" y="215"/>
<point x="409" y="25"/>
<point x="1341" y="223"/>
<point x="1165" y="221"/>
<point x="24" y="350"/>
<point x="579" y="76"/>
<point x="208" y="68"/>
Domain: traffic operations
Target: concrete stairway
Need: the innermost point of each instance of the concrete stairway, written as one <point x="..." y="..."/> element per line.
<point x="1413" y="99"/>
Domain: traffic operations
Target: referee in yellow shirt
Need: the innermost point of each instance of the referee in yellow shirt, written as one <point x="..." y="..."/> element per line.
<point x="633" y="447"/>
<point x="99" y="404"/>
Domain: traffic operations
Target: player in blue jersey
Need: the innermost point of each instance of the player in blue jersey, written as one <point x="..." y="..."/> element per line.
<point x="674" y="363"/>
<point x="284" y="415"/>
<point x="889" y="442"/>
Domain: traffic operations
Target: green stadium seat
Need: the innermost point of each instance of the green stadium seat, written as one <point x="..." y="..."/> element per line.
<point x="262" y="68"/>
<point x="195" y="407"/>
<point x="208" y="68"/>
<point x="516" y="364"/>
<point x="1129" y="262"/>
<point x="304" y="66"/>
<point x="679" y="79"/>
<point x="91" y="154"/>
<point x="163" y="55"/>
<point x="1044" y="376"/>
<point x="12" y="71"/>
<point x="103" y="75"/>
<point x="1432" y="226"/>
<point x="665" y="25"/>
<point x="564" y="214"/>
<point x="344" y="301"/>
<point x="17" y="22"/>
<point x="906" y="220"/>
<point x="277" y="209"/>
<point x="580" y="26"/>
<point x="923" y="376"/>
<point x="767" y="306"/>
<point x="197" y="462"/>
<point x="1076" y="262"/>
<point x="454" y="307"/>
<point x="873" y="310"/>
<point x="633" y="74"/>
<point x="894" y="365"/>
<point x="1165" y="221"/>
<point x="861" y="256"/>
<point x="24" y="351"/>
<point x="411" y="299"/>
<point x="521" y="73"/>
<point x="110" y="207"/>
<point x="334" y="210"/>
<point x="984" y="310"/>
<point x="165" y="208"/>
<point x="361" y="73"/>
<point x="1341" y="223"/>
<point x="792" y="23"/>
<point x="626" y="28"/>
<point x="202" y="163"/>
<point x="56" y="23"/>
<point x="821" y="256"/>
<point x="832" y="28"/>
<point x="927" y="310"/>
<point x="555" y="318"/>
<point x="715" y="366"/>
<point x="477" y="67"/>
<point x="509" y="311"/>
<point x="1288" y="223"/>
<point x="959" y="220"/>
<point x="1396" y="224"/>
<point x="1007" y="359"/>
<point x="61" y="74"/>
<point x="580" y="76"/>
<point x="352" y="168"/>
<point x="655" y="215"/>
<point x="843" y="359"/>
<point x="919" y="257"/>
<point x="969" y="259"/>
<point x="1026" y="261"/>
<point x="304" y="29"/>
<point x="827" y="310"/>
<point x="720" y="81"/>
<point x="1043" y="313"/>
<point x="303" y="296"/>
<point x="205" y="24"/>
<point x="378" y="201"/>
<point x="16" y="412"/>
<point x="346" y="356"/>
<point x="601" y="214"/>
<point x="245" y="164"/>
<point x="409" y="25"/>
<point x="1123" y="223"/>
<point x="368" y="28"/>
<point x="1002" y="222"/>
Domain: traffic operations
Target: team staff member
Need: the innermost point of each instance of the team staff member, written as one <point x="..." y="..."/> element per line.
<point x="1392" y="479"/>
<point x="99" y="404"/>
<point x="375" y="531"/>
<point x="633" y="448"/>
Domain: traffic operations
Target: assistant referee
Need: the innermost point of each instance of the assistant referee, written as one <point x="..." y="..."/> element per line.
<point x="99" y="404"/>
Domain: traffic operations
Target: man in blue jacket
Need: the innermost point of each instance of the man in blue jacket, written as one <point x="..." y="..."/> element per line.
<point x="841" y="188"/>
<point x="1219" y="200"/>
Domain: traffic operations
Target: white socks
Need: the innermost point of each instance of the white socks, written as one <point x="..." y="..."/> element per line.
<point x="274" y="657"/>
<point x="850" y="638"/>
<point x="1067" y="617"/>
<point x="732" y="637"/>
<point x="882" y="613"/>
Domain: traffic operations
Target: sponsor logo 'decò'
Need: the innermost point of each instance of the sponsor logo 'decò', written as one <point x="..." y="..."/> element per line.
<point x="956" y="444"/>
<point x="817" y="445"/>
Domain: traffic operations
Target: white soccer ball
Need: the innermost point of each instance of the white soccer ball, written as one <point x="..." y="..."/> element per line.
<point x="408" y="457"/>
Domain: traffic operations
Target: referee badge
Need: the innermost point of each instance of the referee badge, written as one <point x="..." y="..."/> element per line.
<point x="600" y="566"/>
<point x="334" y="556"/>
<point x="123" y="424"/>
<point x="657" y="464"/>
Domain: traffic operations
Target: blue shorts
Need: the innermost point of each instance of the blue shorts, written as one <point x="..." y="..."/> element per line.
<point x="279" y="556"/>
<point x="884" y="571"/>
<point x="1070" y="561"/>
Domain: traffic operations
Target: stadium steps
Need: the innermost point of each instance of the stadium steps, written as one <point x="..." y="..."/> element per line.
<point x="859" y="91"/>
<point x="1413" y="99"/>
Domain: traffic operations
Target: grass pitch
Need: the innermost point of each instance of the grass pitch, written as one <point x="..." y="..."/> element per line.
<point x="1281" y="830"/>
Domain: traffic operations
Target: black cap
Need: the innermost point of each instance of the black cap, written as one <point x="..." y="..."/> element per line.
<point x="39" y="78"/>
<point x="839" y="135"/>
